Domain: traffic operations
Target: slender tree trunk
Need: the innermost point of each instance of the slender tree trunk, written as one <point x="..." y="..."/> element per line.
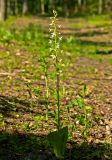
<point x="66" y="10"/>
<point x="79" y="6"/>
<point x="100" y="9"/>
<point x="52" y="4"/>
<point x="8" y="8"/>
<point x="16" y="7"/>
<point x="79" y="2"/>
<point x="25" y="7"/>
<point x="42" y="7"/>
<point x="2" y="10"/>
<point x="84" y="5"/>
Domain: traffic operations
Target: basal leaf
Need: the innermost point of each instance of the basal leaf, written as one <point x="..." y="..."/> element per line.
<point x="58" y="141"/>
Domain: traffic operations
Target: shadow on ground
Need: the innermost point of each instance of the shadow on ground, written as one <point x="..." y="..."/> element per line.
<point x="21" y="146"/>
<point x="24" y="146"/>
<point x="12" y="104"/>
<point x="84" y="42"/>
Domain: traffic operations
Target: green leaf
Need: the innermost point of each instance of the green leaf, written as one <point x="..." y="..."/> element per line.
<point x="58" y="140"/>
<point x="81" y="118"/>
<point x="3" y="136"/>
<point x="37" y="91"/>
<point x="80" y="102"/>
<point x="85" y="91"/>
<point x="88" y="108"/>
<point x="52" y="114"/>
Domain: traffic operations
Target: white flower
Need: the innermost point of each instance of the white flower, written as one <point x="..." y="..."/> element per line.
<point x="77" y="122"/>
<point x="50" y="42"/>
<point x="57" y="46"/>
<point x="60" y="38"/>
<point x="51" y="49"/>
<point x="59" y="26"/>
<point x="53" y="56"/>
<point x="53" y="35"/>
<point x="63" y="65"/>
<point x="60" y="60"/>
<point x="50" y="30"/>
<point x="60" y="71"/>
<point x="51" y="24"/>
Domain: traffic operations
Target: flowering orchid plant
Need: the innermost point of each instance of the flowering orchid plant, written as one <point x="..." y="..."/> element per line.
<point x="55" y="39"/>
<point x="57" y="138"/>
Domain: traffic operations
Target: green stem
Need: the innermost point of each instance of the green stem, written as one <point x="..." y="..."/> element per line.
<point x="85" y="124"/>
<point x="57" y="71"/>
<point x="57" y="81"/>
<point x="30" y="95"/>
<point x="47" y="93"/>
<point x="58" y="97"/>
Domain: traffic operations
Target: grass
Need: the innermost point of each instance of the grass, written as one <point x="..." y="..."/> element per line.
<point x="93" y="20"/>
<point x="22" y="102"/>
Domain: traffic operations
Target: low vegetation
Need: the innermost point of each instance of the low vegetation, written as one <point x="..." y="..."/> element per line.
<point x="55" y="90"/>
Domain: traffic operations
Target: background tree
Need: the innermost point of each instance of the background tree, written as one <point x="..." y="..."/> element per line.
<point x="8" y="11"/>
<point x="64" y="7"/>
<point x="25" y="7"/>
<point x="2" y="9"/>
<point x="42" y="7"/>
<point x="100" y="8"/>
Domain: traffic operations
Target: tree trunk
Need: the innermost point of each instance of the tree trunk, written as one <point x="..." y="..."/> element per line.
<point x="42" y="7"/>
<point x="79" y="6"/>
<point x="8" y="11"/>
<point x="16" y="7"/>
<point x="100" y="6"/>
<point x="84" y="5"/>
<point x="66" y="9"/>
<point x="25" y="7"/>
<point x="79" y="2"/>
<point x="52" y="4"/>
<point x="2" y="10"/>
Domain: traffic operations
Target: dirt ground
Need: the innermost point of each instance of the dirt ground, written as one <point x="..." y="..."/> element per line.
<point x="95" y="72"/>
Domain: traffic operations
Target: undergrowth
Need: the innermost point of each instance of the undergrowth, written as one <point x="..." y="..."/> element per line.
<point x="56" y="119"/>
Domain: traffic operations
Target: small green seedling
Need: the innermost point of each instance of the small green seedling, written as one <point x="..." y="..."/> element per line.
<point x="38" y="120"/>
<point x="84" y="111"/>
<point x="2" y="123"/>
<point x="30" y="93"/>
<point x="37" y="91"/>
<point x="45" y="66"/>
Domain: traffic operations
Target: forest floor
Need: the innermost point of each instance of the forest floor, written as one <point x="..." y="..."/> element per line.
<point x="87" y="55"/>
